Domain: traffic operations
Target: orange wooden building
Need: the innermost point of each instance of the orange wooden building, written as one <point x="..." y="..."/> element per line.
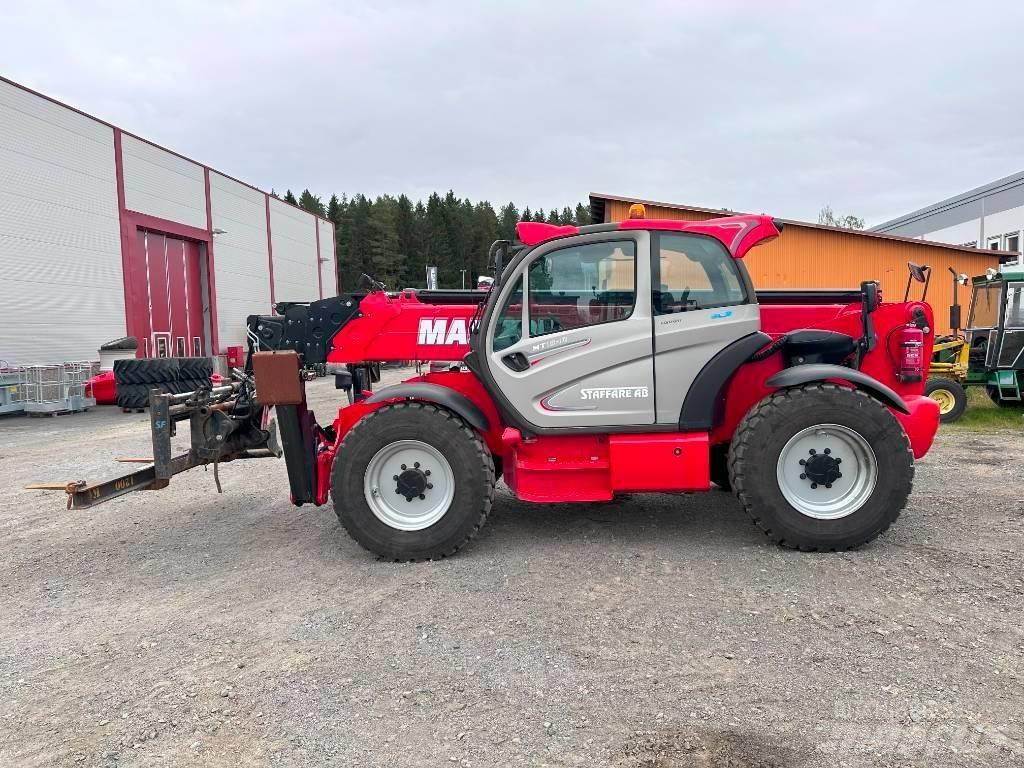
<point x="816" y="256"/>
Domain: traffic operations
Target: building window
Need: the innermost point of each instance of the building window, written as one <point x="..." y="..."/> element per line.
<point x="972" y="244"/>
<point x="163" y="344"/>
<point x="197" y="346"/>
<point x="994" y="243"/>
<point x="1012" y="242"/>
<point x="180" y="341"/>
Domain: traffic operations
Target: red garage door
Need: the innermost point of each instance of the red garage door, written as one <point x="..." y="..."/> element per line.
<point x="165" y="296"/>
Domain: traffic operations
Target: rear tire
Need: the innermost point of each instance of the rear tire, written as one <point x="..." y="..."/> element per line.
<point x="770" y="467"/>
<point x="369" y="487"/>
<point x="950" y="395"/>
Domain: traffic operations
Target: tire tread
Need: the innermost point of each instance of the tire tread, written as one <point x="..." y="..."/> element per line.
<point x="365" y="426"/>
<point x="742" y="449"/>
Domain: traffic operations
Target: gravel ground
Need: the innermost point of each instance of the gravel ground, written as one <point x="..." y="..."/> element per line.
<point x="185" y="628"/>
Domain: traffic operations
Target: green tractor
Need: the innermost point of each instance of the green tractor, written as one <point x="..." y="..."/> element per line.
<point x="989" y="351"/>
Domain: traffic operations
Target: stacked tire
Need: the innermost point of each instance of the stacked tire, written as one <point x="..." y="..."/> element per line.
<point x="171" y="375"/>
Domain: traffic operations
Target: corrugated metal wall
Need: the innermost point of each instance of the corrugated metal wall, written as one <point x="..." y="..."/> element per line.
<point x="812" y="257"/>
<point x="293" y="232"/>
<point x="162" y="184"/>
<point x="60" y="241"/>
<point x="328" y="272"/>
<point x="61" y="265"/>
<point x="241" y="265"/>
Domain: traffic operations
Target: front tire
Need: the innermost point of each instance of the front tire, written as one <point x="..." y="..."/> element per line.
<point x="412" y="481"/>
<point x="821" y="467"/>
<point x="950" y="395"/>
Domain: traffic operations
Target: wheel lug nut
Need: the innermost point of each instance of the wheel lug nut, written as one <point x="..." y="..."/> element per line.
<point x="429" y="486"/>
<point x="828" y="451"/>
<point x="828" y="485"/>
<point x="814" y="485"/>
<point x="398" y="492"/>
<point x="803" y="476"/>
<point x="839" y="461"/>
<point x="838" y="475"/>
<point x="812" y="452"/>
<point x="416" y="465"/>
<point x="404" y="467"/>
<point x="802" y="462"/>
<point x="394" y="477"/>
<point x="427" y="473"/>
<point x="422" y="496"/>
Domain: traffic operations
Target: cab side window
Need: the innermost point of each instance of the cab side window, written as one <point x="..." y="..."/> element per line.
<point x="509" y="327"/>
<point x="581" y="286"/>
<point x="692" y="272"/>
<point x="1014" y="317"/>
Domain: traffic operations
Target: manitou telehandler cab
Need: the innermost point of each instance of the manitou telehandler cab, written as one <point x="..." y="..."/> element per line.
<point x="615" y="358"/>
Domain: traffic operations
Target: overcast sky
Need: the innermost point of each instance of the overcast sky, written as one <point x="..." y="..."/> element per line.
<point x="874" y="108"/>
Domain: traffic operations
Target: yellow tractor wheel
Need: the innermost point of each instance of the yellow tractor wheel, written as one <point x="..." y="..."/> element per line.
<point x="950" y="395"/>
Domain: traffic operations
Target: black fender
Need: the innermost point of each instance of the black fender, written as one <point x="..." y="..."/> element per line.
<point x="704" y="403"/>
<point x="456" y="402"/>
<point x="805" y="374"/>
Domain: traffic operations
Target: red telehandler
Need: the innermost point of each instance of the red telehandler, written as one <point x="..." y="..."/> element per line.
<point x="604" y="359"/>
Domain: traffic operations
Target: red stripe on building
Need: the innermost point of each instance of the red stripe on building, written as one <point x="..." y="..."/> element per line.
<point x="130" y="326"/>
<point x="211" y="280"/>
<point x="319" y="266"/>
<point x="270" y="252"/>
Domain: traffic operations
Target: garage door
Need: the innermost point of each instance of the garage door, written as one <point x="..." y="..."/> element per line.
<point x="167" y="296"/>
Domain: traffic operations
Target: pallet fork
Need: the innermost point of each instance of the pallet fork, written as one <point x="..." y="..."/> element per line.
<point x="218" y="434"/>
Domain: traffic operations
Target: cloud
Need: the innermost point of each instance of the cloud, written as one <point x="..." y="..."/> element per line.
<point x="875" y="108"/>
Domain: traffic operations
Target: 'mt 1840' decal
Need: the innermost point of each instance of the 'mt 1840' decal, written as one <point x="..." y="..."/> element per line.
<point x="442" y="331"/>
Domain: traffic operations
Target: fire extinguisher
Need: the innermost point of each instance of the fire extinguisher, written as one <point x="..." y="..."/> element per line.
<point x="907" y="348"/>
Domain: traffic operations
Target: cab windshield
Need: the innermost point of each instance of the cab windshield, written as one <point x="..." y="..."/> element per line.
<point x="985" y="306"/>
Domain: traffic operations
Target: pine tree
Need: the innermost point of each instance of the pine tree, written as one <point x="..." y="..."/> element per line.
<point x="553" y="217"/>
<point x="567" y="216"/>
<point x="540" y="215"/>
<point x="437" y="248"/>
<point x="310" y="202"/>
<point x="507" y="222"/>
<point x="405" y="232"/>
<point x="582" y="215"/>
<point x="290" y="198"/>
<point x="334" y="215"/>
<point x="485" y="232"/>
<point x="527" y="216"/>
<point x="355" y="258"/>
<point x="383" y="257"/>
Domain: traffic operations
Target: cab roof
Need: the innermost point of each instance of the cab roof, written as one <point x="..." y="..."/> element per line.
<point x="737" y="233"/>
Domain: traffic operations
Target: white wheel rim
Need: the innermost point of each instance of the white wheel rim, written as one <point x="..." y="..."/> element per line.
<point x="417" y="466"/>
<point x="823" y="445"/>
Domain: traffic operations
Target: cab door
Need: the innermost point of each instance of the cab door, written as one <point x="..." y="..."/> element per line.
<point x="702" y="301"/>
<point x="569" y="344"/>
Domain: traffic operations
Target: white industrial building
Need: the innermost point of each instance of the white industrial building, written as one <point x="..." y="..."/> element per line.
<point x="104" y="234"/>
<point x="989" y="217"/>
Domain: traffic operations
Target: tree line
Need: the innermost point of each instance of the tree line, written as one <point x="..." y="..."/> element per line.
<point x="394" y="240"/>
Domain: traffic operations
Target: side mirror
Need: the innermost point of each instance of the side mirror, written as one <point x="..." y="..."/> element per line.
<point x="870" y="296"/>
<point x="496" y="259"/>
